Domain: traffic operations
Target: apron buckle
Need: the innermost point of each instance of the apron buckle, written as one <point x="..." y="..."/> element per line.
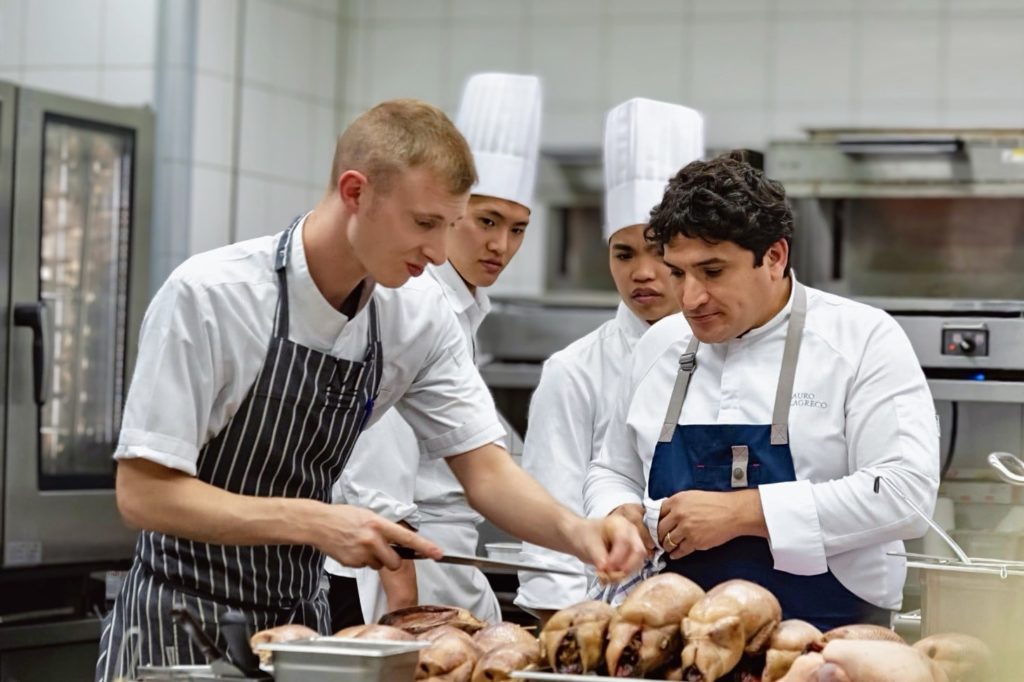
<point x="688" y="362"/>
<point x="740" y="459"/>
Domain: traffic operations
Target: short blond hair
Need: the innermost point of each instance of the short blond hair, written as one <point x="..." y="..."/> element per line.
<point x="401" y="134"/>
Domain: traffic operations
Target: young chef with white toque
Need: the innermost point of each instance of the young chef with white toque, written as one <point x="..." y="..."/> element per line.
<point x="260" y="363"/>
<point x="645" y="143"/>
<point x="500" y="117"/>
<point x="758" y="420"/>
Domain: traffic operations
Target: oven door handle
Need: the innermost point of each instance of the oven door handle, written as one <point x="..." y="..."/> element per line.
<point x="33" y="316"/>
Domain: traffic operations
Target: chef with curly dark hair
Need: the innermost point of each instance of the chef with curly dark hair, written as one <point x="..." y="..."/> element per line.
<point x="756" y="422"/>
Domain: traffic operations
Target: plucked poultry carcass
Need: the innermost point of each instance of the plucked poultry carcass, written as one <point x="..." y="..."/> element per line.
<point x="418" y="619"/>
<point x="645" y="633"/>
<point x="451" y="656"/>
<point x="791" y="639"/>
<point x="500" y="662"/>
<point x="278" y="635"/>
<point x="865" y="660"/>
<point x="574" y="638"/>
<point x="963" y="658"/>
<point x="863" y="631"/>
<point x="734" y="618"/>
<point x="379" y="632"/>
<point x="497" y="634"/>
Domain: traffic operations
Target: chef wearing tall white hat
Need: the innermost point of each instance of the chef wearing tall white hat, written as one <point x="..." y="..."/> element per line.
<point x="646" y="142"/>
<point x="500" y="116"/>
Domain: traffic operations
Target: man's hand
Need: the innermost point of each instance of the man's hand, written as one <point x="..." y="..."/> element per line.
<point x="612" y="545"/>
<point x="634" y="513"/>
<point x="697" y="520"/>
<point x="357" y="537"/>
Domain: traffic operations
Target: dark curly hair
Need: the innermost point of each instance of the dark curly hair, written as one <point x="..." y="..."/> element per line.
<point x="724" y="199"/>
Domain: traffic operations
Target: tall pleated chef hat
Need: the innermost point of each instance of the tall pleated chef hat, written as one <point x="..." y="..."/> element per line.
<point x="500" y="118"/>
<point x="646" y="142"/>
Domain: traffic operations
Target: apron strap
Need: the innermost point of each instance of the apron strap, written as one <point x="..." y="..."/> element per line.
<point x="787" y="375"/>
<point x="790" y="355"/>
<point x="281" y="256"/>
<point x="687" y="364"/>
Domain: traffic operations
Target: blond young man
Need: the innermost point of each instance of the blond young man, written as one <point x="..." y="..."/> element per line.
<point x="259" y="365"/>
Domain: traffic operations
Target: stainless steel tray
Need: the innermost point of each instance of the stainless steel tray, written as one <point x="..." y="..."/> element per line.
<point x="560" y="677"/>
<point x="340" y="659"/>
<point x="181" y="673"/>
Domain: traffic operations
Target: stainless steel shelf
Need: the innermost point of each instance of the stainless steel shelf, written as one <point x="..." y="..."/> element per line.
<point x="511" y="374"/>
<point x="977" y="391"/>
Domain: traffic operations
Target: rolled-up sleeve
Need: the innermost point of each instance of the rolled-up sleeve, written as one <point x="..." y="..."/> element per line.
<point x="890" y="431"/>
<point x="557" y="452"/>
<point x="173" y="387"/>
<point x="616" y="475"/>
<point x="448" y="404"/>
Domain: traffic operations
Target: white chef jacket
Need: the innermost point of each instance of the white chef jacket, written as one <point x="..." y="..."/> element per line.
<point x="206" y="334"/>
<point x="439" y="495"/>
<point x="569" y="414"/>
<point x="386" y="473"/>
<point x="860" y="408"/>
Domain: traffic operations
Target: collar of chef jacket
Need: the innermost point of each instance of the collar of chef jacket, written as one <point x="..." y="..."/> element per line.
<point x="473" y="307"/>
<point x="632" y="325"/>
<point x="779" y="318"/>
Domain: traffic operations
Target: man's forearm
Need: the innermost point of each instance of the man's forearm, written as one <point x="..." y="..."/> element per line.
<point x="400" y="586"/>
<point x="153" y="497"/>
<point x="750" y="515"/>
<point x="514" y="501"/>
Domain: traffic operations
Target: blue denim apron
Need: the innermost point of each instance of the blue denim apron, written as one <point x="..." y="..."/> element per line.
<point x="729" y="457"/>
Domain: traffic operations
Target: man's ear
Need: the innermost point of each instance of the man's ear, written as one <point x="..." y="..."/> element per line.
<point x="352" y="188"/>
<point x="777" y="258"/>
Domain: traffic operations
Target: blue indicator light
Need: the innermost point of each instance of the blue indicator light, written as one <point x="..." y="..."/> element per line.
<point x="979" y="377"/>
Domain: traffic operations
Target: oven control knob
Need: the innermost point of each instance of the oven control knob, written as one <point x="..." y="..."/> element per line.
<point x="970" y="342"/>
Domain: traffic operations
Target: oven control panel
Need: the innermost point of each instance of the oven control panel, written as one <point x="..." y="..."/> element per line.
<point x="967" y="341"/>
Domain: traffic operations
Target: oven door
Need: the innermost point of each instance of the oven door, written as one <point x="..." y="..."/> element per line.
<point x="78" y="286"/>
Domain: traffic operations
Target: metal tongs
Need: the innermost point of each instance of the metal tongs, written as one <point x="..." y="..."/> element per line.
<point x="1009" y="467"/>
<point x="960" y="553"/>
<point x="239" y="662"/>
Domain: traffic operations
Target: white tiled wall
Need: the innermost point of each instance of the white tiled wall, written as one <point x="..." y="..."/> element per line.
<point x="100" y="49"/>
<point x="266" y="114"/>
<point x="275" y="80"/>
<point x="758" y="69"/>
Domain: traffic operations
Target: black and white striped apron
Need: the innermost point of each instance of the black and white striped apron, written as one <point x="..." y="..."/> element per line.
<point x="290" y="437"/>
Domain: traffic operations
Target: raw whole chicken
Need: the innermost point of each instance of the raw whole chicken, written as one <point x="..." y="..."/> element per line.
<point x="500" y="662"/>
<point x="791" y="639"/>
<point x="493" y="636"/>
<point x="418" y="619"/>
<point x="863" y="631"/>
<point x="450" y="657"/>
<point x="863" y="660"/>
<point x="380" y="632"/>
<point x="440" y="631"/>
<point x="644" y="635"/>
<point x="573" y="639"/>
<point x="963" y="658"/>
<point x="733" y="618"/>
<point x="278" y="635"/>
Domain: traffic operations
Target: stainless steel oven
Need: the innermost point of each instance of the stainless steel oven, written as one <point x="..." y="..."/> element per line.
<point x="74" y="252"/>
